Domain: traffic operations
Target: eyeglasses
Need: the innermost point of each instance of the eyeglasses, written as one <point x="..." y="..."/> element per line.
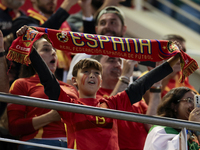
<point x="188" y="99"/>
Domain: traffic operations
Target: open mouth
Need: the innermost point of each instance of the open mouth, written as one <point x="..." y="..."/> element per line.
<point x="52" y="61"/>
<point x="91" y="82"/>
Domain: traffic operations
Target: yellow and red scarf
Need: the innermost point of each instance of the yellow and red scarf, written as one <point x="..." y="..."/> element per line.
<point x="128" y="48"/>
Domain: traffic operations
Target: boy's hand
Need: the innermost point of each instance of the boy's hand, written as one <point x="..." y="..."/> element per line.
<point x="180" y="46"/>
<point x="22" y="30"/>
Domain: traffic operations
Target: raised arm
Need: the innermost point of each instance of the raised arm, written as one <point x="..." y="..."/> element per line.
<point x="56" y="20"/>
<point x="47" y="78"/>
<point x="127" y="71"/>
<point x="141" y="85"/>
<point x="88" y="19"/>
<point x="154" y="95"/>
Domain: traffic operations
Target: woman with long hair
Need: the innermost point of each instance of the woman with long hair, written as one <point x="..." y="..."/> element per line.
<point x="35" y="124"/>
<point x="178" y="103"/>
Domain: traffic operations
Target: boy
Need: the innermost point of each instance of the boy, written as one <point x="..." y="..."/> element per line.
<point x="94" y="132"/>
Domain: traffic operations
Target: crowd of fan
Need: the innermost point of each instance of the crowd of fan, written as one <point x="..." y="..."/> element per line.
<point x="118" y="87"/>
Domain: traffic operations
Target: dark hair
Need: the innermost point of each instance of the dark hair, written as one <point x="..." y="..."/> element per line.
<point x="174" y="37"/>
<point x="97" y="57"/>
<point x="26" y="71"/>
<point x="167" y="107"/>
<point x="86" y="63"/>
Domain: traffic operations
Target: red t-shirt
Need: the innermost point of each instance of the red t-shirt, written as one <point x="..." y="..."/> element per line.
<point x="94" y="132"/>
<point x="103" y="93"/>
<point x="20" y="116"/>
<point x="131" y="135"/>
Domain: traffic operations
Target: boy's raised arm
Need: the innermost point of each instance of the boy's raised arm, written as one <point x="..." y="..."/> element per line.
<point x="138" y="88"/>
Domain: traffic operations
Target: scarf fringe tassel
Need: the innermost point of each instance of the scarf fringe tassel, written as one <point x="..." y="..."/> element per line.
<point x="189" y="70"/>
<point x="20" y="58"/>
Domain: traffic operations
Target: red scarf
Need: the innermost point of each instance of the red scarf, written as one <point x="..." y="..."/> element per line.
<point x="128" y="48"/>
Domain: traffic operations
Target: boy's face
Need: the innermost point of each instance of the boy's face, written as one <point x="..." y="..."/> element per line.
<point x="88" y="81"/>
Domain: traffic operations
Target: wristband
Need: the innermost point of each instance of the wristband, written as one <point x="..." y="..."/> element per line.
<point x="155" y="89"/>
<point x="87" y="18"/>
<point x="2" y="53"/>
<point x="124" y="79"/>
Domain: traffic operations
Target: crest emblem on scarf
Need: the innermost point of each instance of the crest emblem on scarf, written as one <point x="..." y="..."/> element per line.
<point x="29" y="36"/>
<point x="62" y="37"/>
<point x="172" y="47"/>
